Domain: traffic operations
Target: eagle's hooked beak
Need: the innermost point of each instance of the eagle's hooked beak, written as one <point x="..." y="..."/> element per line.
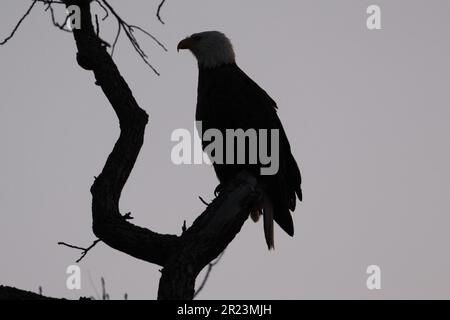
<point x="185" y="44"/>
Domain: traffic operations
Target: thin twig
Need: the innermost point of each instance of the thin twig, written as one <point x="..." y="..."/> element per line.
<point x="105" y="296"/>
<point x="150" y="35"/>
<point x="107" y="8"/>
<point x="104" y="9"/>
<point x="208" y="272"/>
<point x="52" y="14"/>
<point x="19" y="23"/>
<point x="158" y="12"/>
<point x="84" y="250"/>
<point x="116" y="39"/>
<point x="97" y="26"/>
<point x="129" y="29"/>
<point x="203" y="201"/>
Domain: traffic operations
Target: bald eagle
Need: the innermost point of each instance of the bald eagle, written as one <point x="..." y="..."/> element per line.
<point x="229" y="99"/>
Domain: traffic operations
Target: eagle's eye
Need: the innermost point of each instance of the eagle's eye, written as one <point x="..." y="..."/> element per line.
<point x="196" y="37"/>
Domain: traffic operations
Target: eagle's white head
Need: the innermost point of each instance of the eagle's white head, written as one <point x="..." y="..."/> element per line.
<point x="211" y="48"/>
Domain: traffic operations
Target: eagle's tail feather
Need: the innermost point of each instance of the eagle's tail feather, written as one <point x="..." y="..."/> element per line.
<point x="265" y="208"/>
<point x="268" y="222"/>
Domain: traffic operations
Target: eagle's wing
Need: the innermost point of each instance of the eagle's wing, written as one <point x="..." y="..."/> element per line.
<point x="233" y="100"/>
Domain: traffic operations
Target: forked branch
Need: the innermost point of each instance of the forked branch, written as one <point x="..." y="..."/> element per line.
<point x="182" y="257"/>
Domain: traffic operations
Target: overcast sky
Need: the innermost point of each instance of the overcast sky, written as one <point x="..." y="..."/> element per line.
<point x="367" y="114"/>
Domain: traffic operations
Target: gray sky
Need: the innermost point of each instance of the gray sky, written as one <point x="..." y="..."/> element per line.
<point x="366" y="112"/>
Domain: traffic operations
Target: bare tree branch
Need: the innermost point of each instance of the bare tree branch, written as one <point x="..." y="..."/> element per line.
<point x="129" y="29"/>
<point x="84" y="250"/>
<point x="132" y="27"/>
<point x="116" y="39"/>
<point x="208" y="272"/>
<point x="107" y="8"/>
<point x="19" y="23"/>
<point x="105" y="296"/>
<point x="208" y="236"/>
<point x="52" y="14"/>
<point x="10" y="293"/>
<point x="158" y="12"/>
<point x="97" y="26"/>
<point x="104" y="9"/>
<point x="182" y="257"/>
<point x="203" y="201"/>
<point x="108" y="224"/>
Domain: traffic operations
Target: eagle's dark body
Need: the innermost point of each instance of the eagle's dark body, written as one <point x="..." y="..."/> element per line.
<point x="229" y="99"/>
